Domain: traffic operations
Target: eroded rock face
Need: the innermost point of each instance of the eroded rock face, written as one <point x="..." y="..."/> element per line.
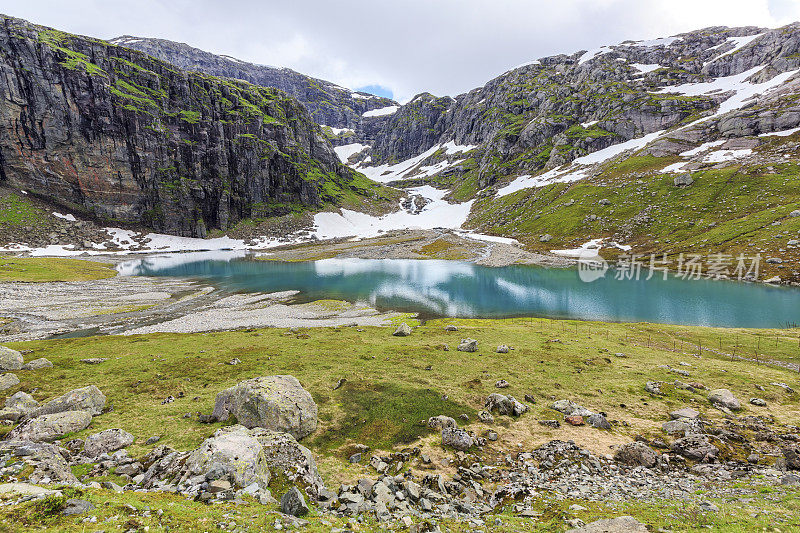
<point x="277" y="403"/>
<point x="696" y="448"/>
<point x="45" y="459"/>
<point x="47" y="428"/>
<point x="10" y="359"/>
<point x="182" y="154"/>
<point x="233" y="452"/>
<point x="107" y="441"/>
<point x="88" y="399"/>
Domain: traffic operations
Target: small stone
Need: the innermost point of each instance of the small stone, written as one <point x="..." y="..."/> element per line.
<point x="555" y="424"/>
<point x="403" y="330"/>
<point x="94" y="360"/>
<point x="74" y="506"/>
<point x="293" y="503"/>
<point x="451" y="327"/>
<point x="574" y="420"/>
<point x="355" y="458"/>
<point x="758" y="402"/>
<point x="468" y="345"/>
<point x="502" y="384"/>
<point x="502" y="349"/>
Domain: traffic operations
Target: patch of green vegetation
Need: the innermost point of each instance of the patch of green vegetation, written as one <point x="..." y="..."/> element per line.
<point x="17" y="210"/>
<point x="39" y="269"/>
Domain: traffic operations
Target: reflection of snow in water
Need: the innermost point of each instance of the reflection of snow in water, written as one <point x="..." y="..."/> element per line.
<point x="139" y="267"/>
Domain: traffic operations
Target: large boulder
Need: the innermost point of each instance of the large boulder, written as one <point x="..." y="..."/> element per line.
<point x="107" y="441"/>
<point x="441" y="422"/>
<point x="457" y="438"/>
<point x="403" y="330"/>
<point x="695" y="447"/>
<point x="570" y="408"/>
<point x="45" y="461"/>
<point x="287" y="456"/>
<point x="47" y="428"/>
<point x="293" y="503"/>
<point x="232" y="453"/>
<point x="10" y="359"/>
<point x="7" y="381"/>
<point x="686" y="412"/>
<point x="504" y="405"/>
<point x="621" y="524"/>
<point x="277" y="403"/>
<point x="636" y="454"/>
<point x="17" y="406"/>
<point x="88" y="399"/>
<point x="791" y="455"/>
<point x="725" y="399"/>
<point x="467" y="345"/>
<point x="37" y="364"/>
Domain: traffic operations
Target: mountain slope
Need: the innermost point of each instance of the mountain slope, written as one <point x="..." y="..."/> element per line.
<point x="118" y="135"/>
<point x="328" y="104"/>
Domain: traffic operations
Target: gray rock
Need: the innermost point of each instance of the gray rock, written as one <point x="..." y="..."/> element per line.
<point x="570" y="408"/>
<point x="47" y="428"/>
<point x="234" y="452"/>
<point x="10" y="359"/>
<point x="795" y="213"/>
<point x="684" y="180"/>
<point x="46" y="461"/>
<point x="485" y="417"/>
<point x="456" y="438"/>
<point x="293" y="503"/>
<point x="598" y="421"/>
<point x="545" y="238"/>
<point x="636" y="454"/>
<point x="403" y="330"/>
<point x="695" y="447"/>
<point x="75" y="506"/>
<point x="94" y="360"/>
<point x="22" y="401"/>
<point x="504" y="405"/>
<point x="502" y="349"/>
<point x="758" y="402"/>
<point x="790" y="479"/>
<point x="278" y="403"/>
<point x="451" y="327"/>
<point x="686" y="412"/>
<point x="107" y="441"/>
<point x="441" y="422"/>
<point x="88" y="399"/>
<point x="26" y="489"/>
<point x="502" y="384"/>
<point x="654" y="387"/>
<point x="37" y="364"/>
<point x="724" y="398"/>
<point x="468" y="345"/>
<point x="8" y="380"/>
<point x="622" y="524"/>
<point x="791" y="455"/>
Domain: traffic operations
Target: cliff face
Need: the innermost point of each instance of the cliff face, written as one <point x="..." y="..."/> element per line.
<point x="327" y="103"/>
<point x="113" y="132"/>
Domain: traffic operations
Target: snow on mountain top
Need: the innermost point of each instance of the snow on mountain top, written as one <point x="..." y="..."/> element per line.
<point x="382" y="111"/>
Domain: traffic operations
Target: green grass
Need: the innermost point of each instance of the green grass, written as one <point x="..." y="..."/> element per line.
<point x="36" y="269"/>
<point x="17" y="210"/>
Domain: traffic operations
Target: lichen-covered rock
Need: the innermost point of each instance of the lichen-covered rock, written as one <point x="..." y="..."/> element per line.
<point x="37" y="364"/>
<point x="47" y="428"/>
<point x="636" y="454"/>
<point x="568" y="408"/>
<point x="504" y="405"/>
<point x="8" y="380"/>
<point x="456" y="438"/>
<point x="278" y="403"/>
<point x="441" y="422"/>
<point x="403" y="330"/>
<point x="468" y="345"/>
<point x="10" y="359"/>
<point x="695" y="447"/>
<point x="45" y="460"/>
<point x="107" y="441"/>
<point x="724" y="398"/>
<point x="18" y="405"/>
<point x="88" y="399"/>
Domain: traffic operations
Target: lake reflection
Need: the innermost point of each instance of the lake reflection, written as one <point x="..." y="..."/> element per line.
<point x="459" y="289"/>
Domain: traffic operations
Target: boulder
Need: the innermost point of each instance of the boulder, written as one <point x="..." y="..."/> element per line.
<point x="568" y="408"/>
<point x="74" y="506"/>
<point x="45" y="461"/>
<point x="654" y="387"/>
<point x="47" y="428"/>
<point x="504" y="405"/>
<point x="10" y="359"/>
<point x="502" y="349"/>
<point x="17" y="406"/>
<point x="37" y="364"/>
<point x="288" y="457"/>
<point x="441" y="422"/>
<point x="457" y="438"/>
<point x="724" y="398"/>
<point x="636" y="454"/>
<point x="695" y="447"/>
<point x="7" y="381"/>
<point x="791" y="454"/>
<point x="277" y="403"/>
<point x="233" y="453"/>
<point x="598" y="421"/>
<point x="682" y="426"/>
<point x="686" y="412"/>
<point x="758" y="402"/>
<point x="546" y="237"/>
<point x="622" y="524"/>
<point x="574" y="420"/>
<point x="684" y="180"/>
<point x="403" y="330"/>
<point x="293" y="503"/>
<point x="795" y="213"/>
<point x="107" y="441"/>
<point x="468" y="345"/>
<point x="451" y="327"/>
<point x="502" y="384"/>
<point x="88" y="399"/>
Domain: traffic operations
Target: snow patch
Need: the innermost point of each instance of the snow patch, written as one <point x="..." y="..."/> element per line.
<point x="68" y="217"/>
<point x="556" y="175"/>
<point x="453" y="148"/>
<point x="589" y="124"/>
<point x="738" y="42"/>
<point x="344" y="152"/>
<point x="721" y="156"/>
<point x="605" y="154"/>
<point x="591" y="54"/>
<point x="784" y="133"/>
<point x="646" y="68"/>
<point x="383" y="111"/>
<point x="655" y="43"/>
<point x="702" y="148"/>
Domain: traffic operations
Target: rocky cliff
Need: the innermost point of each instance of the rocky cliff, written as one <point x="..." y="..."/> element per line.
<point x="115" y="133"/>
<point x="329" y="104"/>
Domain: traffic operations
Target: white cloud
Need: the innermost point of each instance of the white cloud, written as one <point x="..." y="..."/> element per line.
<point x="410" y="46"/>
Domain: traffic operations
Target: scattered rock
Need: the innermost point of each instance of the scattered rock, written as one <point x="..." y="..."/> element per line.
<point x="26" y="489"/>
<point x="468" y="345"/>
<point x="94" y="360"/>
<point x="403" y="330"/>
<point x="75" y="506"/>
<point x="758" y="402"/>
<point x="37" y="364"/>
<point x="8" y="380"/>
<point x="686" y="412"/>
<point x="502" y="384"/>
<point x="695" y="447"/>
<point x="277" y="403"/>
<point x="622" y="524"/>
<point x="636" y="454"/>
<point x="598" y="421"/>
<point x="88" y="399"/>
<point x="47" y="428"/>
<point x="441" y="422"/>
<point x="555" y="424"/>
<point x="795" y="213"/>
<point x="545" y="238"/>
<point x="504" y="405"/>
<point x="107" y="441"/>
<point x="456" y="438"/>
<point x="485" y="417"/>
<point x="293" y="503"/>
<point x="502" y="349"/>
<point x="791" y="454"/>
<point x="46" y="461"/>
<point x="684" y="180"/>
<point x="10" y="359"/>
<point x="568" y="407"/>
<point x="654" y="387"/>
<point x="724" y="398"/>
<point x="152" y="440"/>
<point x="451" y="327"/>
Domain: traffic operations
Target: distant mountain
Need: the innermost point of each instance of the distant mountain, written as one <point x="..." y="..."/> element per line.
<point x="328" y="104"/>
<point x="114" y="133"/>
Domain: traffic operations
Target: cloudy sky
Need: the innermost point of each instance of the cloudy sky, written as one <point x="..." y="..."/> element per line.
<point x="405" y="46"/>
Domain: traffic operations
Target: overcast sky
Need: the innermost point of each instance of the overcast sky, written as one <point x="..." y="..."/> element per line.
<point x="407" y="46"/>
